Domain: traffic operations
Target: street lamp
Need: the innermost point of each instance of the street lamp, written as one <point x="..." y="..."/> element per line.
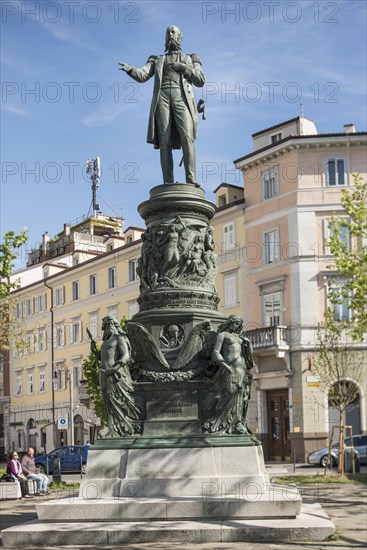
<point x="60" y="367"/>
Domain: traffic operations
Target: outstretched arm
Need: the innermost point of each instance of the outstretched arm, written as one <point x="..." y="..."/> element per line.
<point x="140" y="75"/>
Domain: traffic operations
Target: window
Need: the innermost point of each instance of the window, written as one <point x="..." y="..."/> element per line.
<point x="59" y="379"/>
<point x="276" y="137"/>
<point x="112" y="310"/>
<point x="133" y="307"/>
<point x="75" y="291"/>
<point x="272" y="309"/>
<point x="59" y="335"/>
<point x="271" y="247"/>
<point x="343" y="234"/>
<point x="59" y="296"/>
<point x="41" y="340"/>
<point x="93" y="284"/>
<point x="40" y="303"/>
<point x="76" y="377"/>
<point x="111" y="277"/>
<point x="30" y="387"/>
<point x="230" y="286"/>
<point x="341" y="302"/>
<point x="18" y="385"/>
<point x="75" y="332"/>
<point x="93" y="324"/>
<point x="30" y="341"/>
<point x="335" y="172"/>
<point x="222" y="201"/>
<point x="270" y="183"/>
<point x="19" y="310"/>
<point x="132" y="270"/>
<point x="29" y="306"/>
<point x="41" y="381"/>
<point x="229" y="238"/>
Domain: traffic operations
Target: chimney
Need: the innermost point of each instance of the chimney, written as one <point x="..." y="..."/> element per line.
<point x="66" y="229"/>
<point x="45" y="241"/>
<point x="349" y="128"/>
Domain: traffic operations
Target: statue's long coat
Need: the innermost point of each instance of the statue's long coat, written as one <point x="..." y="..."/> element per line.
<point x="192" y="75"/>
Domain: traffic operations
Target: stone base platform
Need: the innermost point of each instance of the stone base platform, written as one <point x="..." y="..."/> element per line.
<point x="277" y="502"/>
<point x="311" y="525"/>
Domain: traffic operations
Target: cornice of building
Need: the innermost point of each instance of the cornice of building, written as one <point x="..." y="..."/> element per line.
<point x="294" y="143"/>
<point x="81" y="265"/>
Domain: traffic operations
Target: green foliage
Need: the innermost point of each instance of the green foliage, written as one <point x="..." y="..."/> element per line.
<point x="8" y="253"/>
<point x="305" y="480"/>
<point x="351" y="262"/>
<point x="9" y="248"/>
<point x="91" y="375"/>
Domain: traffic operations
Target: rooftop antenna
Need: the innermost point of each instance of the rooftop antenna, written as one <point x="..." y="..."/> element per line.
<point x="94" y="171"/>
<point x="301" y="109"/>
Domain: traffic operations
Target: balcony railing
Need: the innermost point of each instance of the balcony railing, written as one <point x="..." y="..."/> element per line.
<point x="268" y="337"/>
<point x="82" y="393"/>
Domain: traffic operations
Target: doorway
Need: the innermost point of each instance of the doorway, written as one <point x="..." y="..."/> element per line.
<point x="278" y="425"/>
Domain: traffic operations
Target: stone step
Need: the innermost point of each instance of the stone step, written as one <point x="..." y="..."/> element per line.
<point x="312" y="525"/>
<point x="281" y="502"/>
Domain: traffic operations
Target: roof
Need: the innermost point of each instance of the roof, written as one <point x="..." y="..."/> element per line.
<point x="277" y="125"/>
<point x="132" y="227"/>
<point x="230" y="204"/>
<point x="223" y="184"/>
<point x="288" y="138"/>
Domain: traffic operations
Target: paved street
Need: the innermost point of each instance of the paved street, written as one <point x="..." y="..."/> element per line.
<point x="344" y="503"/>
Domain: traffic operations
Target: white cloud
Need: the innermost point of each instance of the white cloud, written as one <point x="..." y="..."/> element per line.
<point x="14" y="110"/>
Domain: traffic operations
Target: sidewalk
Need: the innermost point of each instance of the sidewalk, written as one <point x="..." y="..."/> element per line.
<point x="344" y="503"/>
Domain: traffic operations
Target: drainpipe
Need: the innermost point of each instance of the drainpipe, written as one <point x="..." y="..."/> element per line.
<point x="52" y="363"/>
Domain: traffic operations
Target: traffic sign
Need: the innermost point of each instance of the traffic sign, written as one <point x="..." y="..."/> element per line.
<point x="62" y="422"/>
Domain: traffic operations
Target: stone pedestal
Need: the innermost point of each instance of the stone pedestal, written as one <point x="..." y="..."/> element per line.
<point x="177" y="278"/>
<point x="174" y="494"/>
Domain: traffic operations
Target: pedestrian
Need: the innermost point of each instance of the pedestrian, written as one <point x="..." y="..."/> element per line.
<point x="30" y="470"/>
<point x="14" y="468"/>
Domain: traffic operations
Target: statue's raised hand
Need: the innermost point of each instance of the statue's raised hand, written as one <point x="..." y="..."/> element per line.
<point x="124" y="67"/>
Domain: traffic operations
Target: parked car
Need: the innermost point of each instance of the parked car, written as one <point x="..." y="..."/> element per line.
<point x="72" y="459"/>
<point x="320" y="457"/>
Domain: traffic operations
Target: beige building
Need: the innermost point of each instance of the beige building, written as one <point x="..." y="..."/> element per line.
<point x="293" y="181"/>
<point x="56" y="301"/>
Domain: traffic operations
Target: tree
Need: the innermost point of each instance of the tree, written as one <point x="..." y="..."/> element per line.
<point x="91" y="375"/>
<point x="351" y="261"/>
<point x="339" y="367"/>
<point x="9" y="250"/>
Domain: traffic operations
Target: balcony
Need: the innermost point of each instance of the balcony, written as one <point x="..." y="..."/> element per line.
<point x="269" y="339"/>
<point x="83" y="395"/>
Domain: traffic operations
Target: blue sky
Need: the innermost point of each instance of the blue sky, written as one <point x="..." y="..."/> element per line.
<point x="262" y="59"/>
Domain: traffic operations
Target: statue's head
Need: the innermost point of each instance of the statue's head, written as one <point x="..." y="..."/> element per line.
<point x="173" y="330"/>
<point x="110" y="325"/>
<point x="234" y="323"/>
<point x="173" y="38"/>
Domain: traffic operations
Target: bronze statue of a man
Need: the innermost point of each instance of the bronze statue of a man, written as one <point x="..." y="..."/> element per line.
<point x="173" y="115"/>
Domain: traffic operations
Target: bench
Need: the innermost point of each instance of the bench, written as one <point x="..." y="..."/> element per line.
<point x="9" y="490"/>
